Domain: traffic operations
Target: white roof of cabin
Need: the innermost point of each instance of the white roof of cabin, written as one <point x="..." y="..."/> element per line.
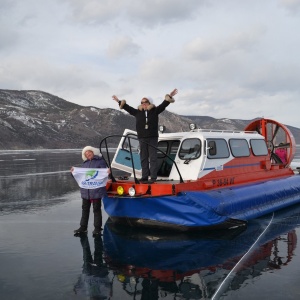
<point x="209" y="133"/>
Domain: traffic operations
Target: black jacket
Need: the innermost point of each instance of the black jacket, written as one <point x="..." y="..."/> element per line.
<point x="152" y="116"/>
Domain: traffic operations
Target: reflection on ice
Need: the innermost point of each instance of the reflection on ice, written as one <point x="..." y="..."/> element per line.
<point x="94" y="281"/>
<point x="33" y="174"/>
<point x="33" y="179"/>
<point x="24" y="159"/>
<point x="201" y="264"/>
<point x="24" y="193"/>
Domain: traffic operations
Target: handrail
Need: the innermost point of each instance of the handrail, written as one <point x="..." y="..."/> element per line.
<point x="224" y="131"/>
<point x="132" y="136"/>
<point x="109" y="164"/>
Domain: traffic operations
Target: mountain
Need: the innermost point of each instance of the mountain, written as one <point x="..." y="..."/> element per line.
<point x="38" y="120"/>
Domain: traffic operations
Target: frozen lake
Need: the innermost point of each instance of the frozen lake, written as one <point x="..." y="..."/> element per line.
<point x="40" y="206"/>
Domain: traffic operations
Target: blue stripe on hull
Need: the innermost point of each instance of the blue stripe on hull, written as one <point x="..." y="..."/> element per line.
<point x="207" y="208"/>
<point x="233" y="167"/>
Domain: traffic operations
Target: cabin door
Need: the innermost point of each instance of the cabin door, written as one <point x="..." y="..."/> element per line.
<point x="124" y="159"/>
<point x="167" y="150"/>
<point x="189" y="159"/>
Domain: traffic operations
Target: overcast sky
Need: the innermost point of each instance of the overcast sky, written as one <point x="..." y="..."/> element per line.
<point x="237" y="59"/>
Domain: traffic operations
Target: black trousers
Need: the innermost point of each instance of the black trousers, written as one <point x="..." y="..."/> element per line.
<point x="86" y="205"/>
<point x="148" y="156"/>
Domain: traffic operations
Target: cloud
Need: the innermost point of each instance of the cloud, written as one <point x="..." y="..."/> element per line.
<point x="221" y="55"/>
<point x="122" y="46"/>
<point x="36" y="74"/>
<point x="154" y="12"/>
<point x="147" y="13"/>
<point x="292" y="6"/>
<point x="272" y="79"/>
<point x="158" y="70"/>
<point x="5" y="4"/>
<point x="93" y="11"/>
<point x="209" y="49"/>
<point x="9" y="39"/>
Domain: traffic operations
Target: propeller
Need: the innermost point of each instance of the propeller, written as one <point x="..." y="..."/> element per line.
<point x="273" y="132"/>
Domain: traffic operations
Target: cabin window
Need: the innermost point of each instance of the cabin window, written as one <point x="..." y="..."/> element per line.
<point x="134" y="143"/>
<point x="190" y="149"/>
<point x="259" y="147"/>
<point x="174" y="148"/>
<point x="163" y="146"/>
<point x="168" y="147"/>
<point x="239" y="147"/>
<point x="217" y="148"/>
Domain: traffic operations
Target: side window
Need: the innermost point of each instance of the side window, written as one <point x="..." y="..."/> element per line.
<point x="174" y="148"/>
<point x="217" y="148"/>
<point x="163" y="146"/>
<point x="239" y="147"/>
<point x="259" y="147"/>
<point x="134" y="143"/>
<point x="190" y="149"/>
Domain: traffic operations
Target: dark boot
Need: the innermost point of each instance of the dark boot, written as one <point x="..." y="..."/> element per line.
<point x="80" y="230"/>
<point x="86" y="204"/>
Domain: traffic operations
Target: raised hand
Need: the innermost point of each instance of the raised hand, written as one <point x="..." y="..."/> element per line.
<point x="115" y="98"/>
<point x="174" y="92"/>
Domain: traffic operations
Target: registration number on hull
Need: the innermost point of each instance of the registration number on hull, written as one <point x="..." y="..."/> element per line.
<point x="223" y="181"/>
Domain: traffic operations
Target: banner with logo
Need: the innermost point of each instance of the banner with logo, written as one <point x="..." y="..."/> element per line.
<point x="90" y="178"/>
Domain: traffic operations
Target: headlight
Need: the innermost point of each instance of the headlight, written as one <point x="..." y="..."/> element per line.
<point x="131" y="191"/>
<point x="120" y="190"/>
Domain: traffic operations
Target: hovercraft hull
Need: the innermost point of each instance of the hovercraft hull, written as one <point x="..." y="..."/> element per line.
<point x="194" y="210"/>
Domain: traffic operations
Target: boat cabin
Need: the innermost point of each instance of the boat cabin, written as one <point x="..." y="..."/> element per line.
<point x="195" y="154"/>
<point x="209" y="158"/>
